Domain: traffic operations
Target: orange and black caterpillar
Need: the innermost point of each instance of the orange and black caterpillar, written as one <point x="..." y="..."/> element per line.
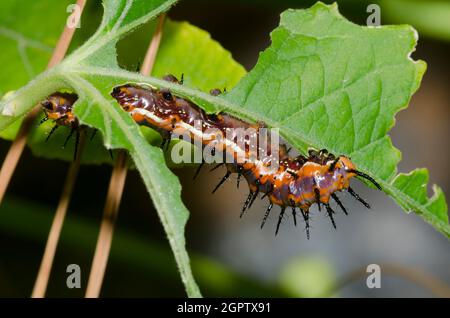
<point x="297" y="183"/>
<point x="59" y="108"/>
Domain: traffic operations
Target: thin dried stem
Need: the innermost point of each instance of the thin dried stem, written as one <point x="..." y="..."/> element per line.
<point x="41" y="283"/>
<point x="152" y="50"/>
<point x="18" y="145"/>
<point x="110" y="212"/>
<point x="115" y="189"/>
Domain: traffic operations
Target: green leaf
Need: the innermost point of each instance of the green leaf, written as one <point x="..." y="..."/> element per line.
<point x="328" y="83"/>
<point x="26" y="49"/>
<point x="27" y="43"/>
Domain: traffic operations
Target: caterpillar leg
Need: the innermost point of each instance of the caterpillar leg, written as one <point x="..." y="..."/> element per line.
<point x="43" y="120"/>
<point x="357" y="197"/>
<point x="247" y="201"/>
<point x="225" y="178"/>
<point x="266" y="215"/>
<point x="335" y="198"/>
<point x="253" y="198"/>
<point x="305" y="215"/>
<point x="68" y="137"/>
<point x="294" y="214"/>
<point x="330" y="212"/>
<point x="280" y="217"/>
<point x="51" y="132"/>
<point x="77" y="142"/>
<point x="239" y="172"/>
<point x="198" y="170"/>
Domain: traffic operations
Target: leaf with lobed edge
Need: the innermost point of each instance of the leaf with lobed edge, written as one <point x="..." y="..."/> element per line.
<point x="329" y="83"/>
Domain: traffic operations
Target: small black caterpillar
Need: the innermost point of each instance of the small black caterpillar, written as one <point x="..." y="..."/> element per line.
<point x="297" y="183"/>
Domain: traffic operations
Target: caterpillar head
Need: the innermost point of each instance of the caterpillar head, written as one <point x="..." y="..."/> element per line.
<point x="59" y="107"/>
<point x="132" y="96"/>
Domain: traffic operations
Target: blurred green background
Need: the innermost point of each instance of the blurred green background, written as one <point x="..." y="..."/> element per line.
<point x="232" y="256"/>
